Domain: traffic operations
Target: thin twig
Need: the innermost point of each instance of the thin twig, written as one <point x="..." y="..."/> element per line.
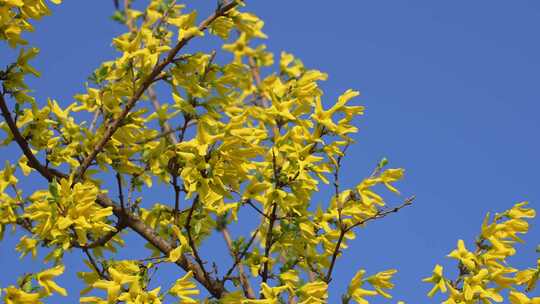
<point x="187" y="120"/>
<point x="165" y="133"/>
<point x="94" y="120"/>
<point x="192" y="242"/>
<point x="120" y="191"/>
<point x="269" y="242"/>
<point x="336" y="183"/>
<point x="246" y="286"/>
<point x="101" y="273"/>
<point x="257" y="76"/>
<point x="269" y="234"/>
<point x="129" y="22"/>
<point x="240" y="257"/>
<point x="259" y="211"/>
<point x="335" y="254"/>
<point x="102" y="240"/>
<point x="33" y="162"/>
<point x="344" y="230"/>
<point x="176" y="198"/>
<point x="384" y="213"/>
<point x="165" y="127"/>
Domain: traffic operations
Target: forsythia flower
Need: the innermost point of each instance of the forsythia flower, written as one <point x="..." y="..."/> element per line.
<point x="45" y="279"/>
<point x="16" y="296"/>
<point x="464" y="256"/>
<point x="184" y="288"/>
<point x="64" y="207"/>
<point x="313" y="292"/>
<point x="114" y="285"/>
<point x="381" y="281"/>
<point x="437" y="279"/>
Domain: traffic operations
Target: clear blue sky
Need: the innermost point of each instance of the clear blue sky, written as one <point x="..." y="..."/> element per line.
<point x="452" y="95"/>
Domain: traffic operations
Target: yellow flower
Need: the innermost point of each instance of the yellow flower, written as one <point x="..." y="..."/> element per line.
<point x="45" y="279"/>
<point x="520" y="298"/>
<point x="438" y="280"/>
<point x="114" y="286"/>
<point x="381" y="281"/>
<point x="17" y="296"/>
<point x="184" y="288"/>
<point x="464" y="256"/>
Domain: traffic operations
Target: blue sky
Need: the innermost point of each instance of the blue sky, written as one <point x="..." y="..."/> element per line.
<point x="451" y="91"/>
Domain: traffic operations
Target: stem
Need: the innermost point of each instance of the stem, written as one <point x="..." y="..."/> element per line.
<point x="246" y="287"/>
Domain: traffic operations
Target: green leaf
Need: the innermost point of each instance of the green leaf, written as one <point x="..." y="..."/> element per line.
<point x="53" y="189"/>
<point x="119" y="17"/>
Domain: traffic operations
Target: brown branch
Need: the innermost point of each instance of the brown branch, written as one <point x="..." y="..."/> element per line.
<point x="335" y="254"/>
<point x="269" y="236"/>
<point x="176" y="197"/>
<point x="129" y="22"/>
<point x="100" y="272"/>
<point x="94" y="120"/>
<point x="192" y="242"/>
<point x="336" y="172"/>
<point x="33" y="162"/>
<point x="246" y="286"/>
<point x="259" y="211"/>
<point x="116" y="123"/>
<point x="255" y="73"/>
<point x="344" y="230"/>
<point x="408" y="201"/>
<point x="120" y="191"/>
<point x="165" y="127"/>
<point x="336" y="184"/>
<point x="244" y="252"/>
<point x="163" y="134"/>
<point x="214" y="287"/>
<point x="269" y="242"/>
<point x="187" y="121"/>
<point x="25" y="223"/>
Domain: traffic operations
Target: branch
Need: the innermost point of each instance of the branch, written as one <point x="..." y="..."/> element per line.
<point x="161" y="135"/>
<point x="94" y="120"/>
<point x="344" y="230"/>
<point x="335" y="254"/>
<point x="104" y="239"/>
<point x="120" y="191"/>
<point x="176" y="198"/>
<point x="192" y="242"/>
<point x="33" y="162"/>
<point x="244" y="252"/>
<point x="213" y="286"/>
<point x="382" y="213"/>
<point x="269" y="242"/>
<point x="248" y="290"/>
<point x="165" y="127"/>
<point x="101" y="273"/>
<point x="255" y="73"/>
<point x="259" y="211"/>
<point x="116" y="123"/>
<point x="336" y="183"/>
<point x="271" y="219"/>
<point x="129" y="22"/>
